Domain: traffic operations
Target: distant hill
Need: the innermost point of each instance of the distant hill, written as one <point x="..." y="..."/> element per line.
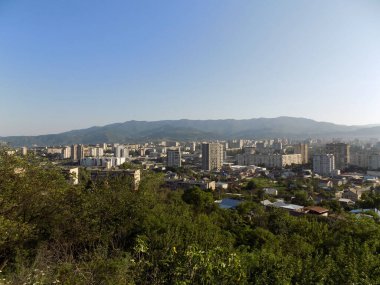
<point x="184" y="130"/>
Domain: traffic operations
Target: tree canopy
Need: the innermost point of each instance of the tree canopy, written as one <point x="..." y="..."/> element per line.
<point x="107" y="233"/>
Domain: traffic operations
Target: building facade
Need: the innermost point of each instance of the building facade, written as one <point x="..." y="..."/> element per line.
<point x="324" y="164"/>
<point x="173" y="158"/>
<point x="269" y="160"/>
<point x="303" y="149"/>
<point x="341" y="152"/>
<point x="212" y="156"/>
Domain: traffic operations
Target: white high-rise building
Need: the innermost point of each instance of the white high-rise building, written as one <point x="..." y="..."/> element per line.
<point x="121" y="151"/>
<point x="96" y="151"/>
<point x="212" y="156"/>
<point x="24" y="150"/>
<point x="174" y="157"/>
<point x="324" y="164"/>
<point x="66" y="152"/>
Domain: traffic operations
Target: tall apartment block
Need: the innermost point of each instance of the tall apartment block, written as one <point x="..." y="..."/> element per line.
<point x="121" y="151"/>
<point x="74" y="152"/>
<point x="77" y="152"/>
<point x="173" y="158"/>
<point x="324" y="164"/>
<point x="303" y="149"/>
<point x="341" y="152"/>
<point x="24" y="150"/>
<point x="212" y="156"/>
<point x="66" y="152"/>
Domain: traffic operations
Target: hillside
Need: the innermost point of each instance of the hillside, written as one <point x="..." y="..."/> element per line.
<point x="138" y="131"/>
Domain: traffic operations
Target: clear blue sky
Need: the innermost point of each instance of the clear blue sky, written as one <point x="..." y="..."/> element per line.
<point x="68" y="64"/>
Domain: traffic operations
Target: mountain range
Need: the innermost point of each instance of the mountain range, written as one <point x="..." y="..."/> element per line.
<point x="186" y="130"/>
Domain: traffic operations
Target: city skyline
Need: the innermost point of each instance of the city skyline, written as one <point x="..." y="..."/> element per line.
<point x="67" y="65"/>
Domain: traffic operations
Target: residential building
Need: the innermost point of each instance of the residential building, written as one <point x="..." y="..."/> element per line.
<point x="66" y="152"/>
<point x="173" y="158"/>
<point x="106" y="162"/>
<point x="121" y="151"/>
<point x="212" y="156"/>
<point x="324" y="164"/>
<point x="80" y="152"/>
<point x="374" y="162"/>
<point x="24" y="150"/>
<point x="353" y="194"/>
<point x="269" y="160"/>
<point x="360" y="158"/>
<point x="316" y="210"/>
<point x="271" y="191"/>
<point x="341" y="152"/>
<point x="233" y="144"/>
<point x="96" y="151"/>
<point x="74" y="152"/>
<point x="71" y="174"/>
<point x="303" y="149"/>
<point x="188" y="184"/>
<point x="135" y="174"/>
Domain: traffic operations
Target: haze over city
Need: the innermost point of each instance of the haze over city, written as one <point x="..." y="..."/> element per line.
<point x="75" y="64"/>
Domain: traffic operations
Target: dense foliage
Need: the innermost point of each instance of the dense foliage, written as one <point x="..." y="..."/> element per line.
<point x="106" y="233"/>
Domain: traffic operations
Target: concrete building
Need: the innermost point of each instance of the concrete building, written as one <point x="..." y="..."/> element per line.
<point x="271" y="191"/>
<point x="277" y="146"/>
<point x="360" y="158"/>
<point x="80" y="153"/>
<point x="172" y="144"/>
<point x="212" y="156"/>
<point x="74" y="152"/>
<point x="66" y="152"/>
<point x="24" y="150"/>
<point x="269" y="160"/>
<point x="188" y="184"/>
<point x="96" y="151"/>
<point x="71" y="175"/>
<point x="233" y="144"/>
<point x="374" y="162"/>
<point x="106" y="162"/>
<point x="134" y="174"/>
<point x="53" y="150"/>
<point x="324" y="164"/>
<point x="121" y="151"/>
<point x="303" y="149"/>
<point x="173" y="158"/>
<point x="341" y="152"/>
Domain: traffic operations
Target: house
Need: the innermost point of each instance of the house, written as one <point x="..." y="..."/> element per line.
<point x="221" y="185"/>
<point x="271" y="191"/>
<point x="353" y="194"/>
<point x="346" y="202"/>
<point x="315" y="210"/>
<point x="281" y="204"/>
<point x="266" y="202"/>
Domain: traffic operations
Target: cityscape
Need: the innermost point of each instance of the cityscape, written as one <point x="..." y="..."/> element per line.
<point x="209" y="142"/>
<point x="335" y="171"/>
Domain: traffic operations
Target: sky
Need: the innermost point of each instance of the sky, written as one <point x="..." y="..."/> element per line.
<point x="69" y="64"/>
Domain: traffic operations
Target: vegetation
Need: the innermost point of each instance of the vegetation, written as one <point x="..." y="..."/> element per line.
<point x="106" y="233"/>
